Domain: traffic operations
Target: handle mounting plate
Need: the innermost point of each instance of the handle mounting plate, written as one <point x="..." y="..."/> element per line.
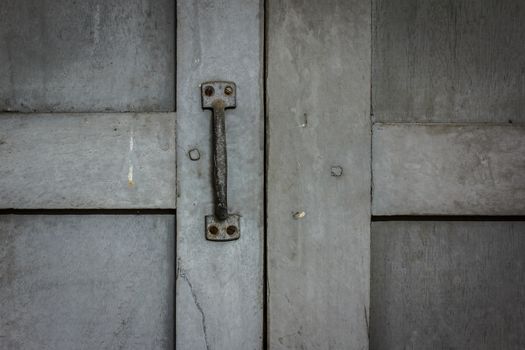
<point x="212" y="91"/>
<point x="223" y="230"/>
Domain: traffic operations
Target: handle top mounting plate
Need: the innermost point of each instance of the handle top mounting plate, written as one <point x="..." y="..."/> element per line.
<point x="212" y="91"/>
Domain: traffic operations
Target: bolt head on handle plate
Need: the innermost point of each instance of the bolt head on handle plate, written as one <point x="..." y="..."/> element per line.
<point x="212" y="91"/>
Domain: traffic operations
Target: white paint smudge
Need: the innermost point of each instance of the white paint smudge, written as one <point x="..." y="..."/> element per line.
<point x="131" y="142"/>
<point x="299" y="215"/>
<point x="130" y="176"/>
<point x="96" y="25"/>
<point x="130" y="159"/>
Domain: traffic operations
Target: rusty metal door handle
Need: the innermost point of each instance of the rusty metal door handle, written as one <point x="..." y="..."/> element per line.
<point x="219" y="96"/>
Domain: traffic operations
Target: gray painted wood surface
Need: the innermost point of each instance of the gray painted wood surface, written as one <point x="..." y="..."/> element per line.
<point x="448" y="285"/>
<point x="220" y="284"/>
<point x="87" y="161"/>
<point x="445" y="169"/>
<point x="318" y="208"/>
<point x="87" y="56"/>
<point x="86" y="282"/>
<point x="448" y="61"/>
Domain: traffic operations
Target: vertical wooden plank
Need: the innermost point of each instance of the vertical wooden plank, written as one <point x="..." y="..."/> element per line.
<point x="318" y="206"/>
<point x="447" y="285"/>
<point x="219" y="284"/>
<point x="453" y="285"/>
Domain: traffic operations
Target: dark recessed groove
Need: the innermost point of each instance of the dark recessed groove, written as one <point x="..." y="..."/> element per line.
<point x="87" y="211"/>
<point x="266" y="126"/>
<point x="448" y="218"/>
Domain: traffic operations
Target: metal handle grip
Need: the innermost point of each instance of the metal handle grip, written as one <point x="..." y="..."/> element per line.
<point x="220" y="160"/>
<point x="218" y="96"/>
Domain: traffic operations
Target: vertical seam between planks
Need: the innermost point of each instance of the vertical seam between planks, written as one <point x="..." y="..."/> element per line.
<point x="371" y="158"/>
<point x="265" y="173"/>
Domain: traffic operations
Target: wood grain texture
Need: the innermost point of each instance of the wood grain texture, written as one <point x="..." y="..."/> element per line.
<point x="448" y="61"/>
<point x="220" y="284"/>
<point x="86" y="282"/>
<point x="86" y="161"/>
<point x="424" y="169"/>
<point x="87" y="56"/>
<point x="448" y="285"/>
<point x="318" y="187"/>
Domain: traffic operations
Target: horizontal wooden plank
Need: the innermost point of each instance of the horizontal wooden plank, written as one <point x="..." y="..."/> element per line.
<point x="448" y="169"/>
<point x="87" y="161"/>
<point x="86" y="282"/>
<point x="447" y="285"/>
<point x="87" y="56"/>
<point x="448" y="61"/>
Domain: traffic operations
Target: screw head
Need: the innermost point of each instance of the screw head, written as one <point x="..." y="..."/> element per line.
<point x="231" y="230"/>
<point x="228" y="90"/>
<point x="209" y="91"/>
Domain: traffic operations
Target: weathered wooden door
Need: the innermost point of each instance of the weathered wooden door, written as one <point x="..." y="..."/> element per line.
<point x="87" y="175"/>
<point x="433" y="138"/>
<point x="372" y="148"/>
<point x="92" y="172"/>
<point x="448" y="157"/>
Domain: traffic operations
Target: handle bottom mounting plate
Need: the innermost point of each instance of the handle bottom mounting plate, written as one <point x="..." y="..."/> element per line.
<point x="223" y="230"/>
